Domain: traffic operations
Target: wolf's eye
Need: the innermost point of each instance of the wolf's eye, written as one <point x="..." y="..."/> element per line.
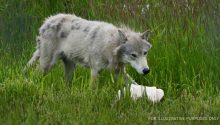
<point x="133" y="55"/>
<point x="145" y="53"/>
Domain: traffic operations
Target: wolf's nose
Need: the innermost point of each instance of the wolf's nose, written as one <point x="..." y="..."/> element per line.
<point x="146" y="71"/>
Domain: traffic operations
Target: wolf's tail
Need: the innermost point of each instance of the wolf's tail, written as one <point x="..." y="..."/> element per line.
<point x="34" y="58"/>
<point x="36" y="55"/>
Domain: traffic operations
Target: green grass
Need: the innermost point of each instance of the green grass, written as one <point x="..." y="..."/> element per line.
<point x="184" y="60"/>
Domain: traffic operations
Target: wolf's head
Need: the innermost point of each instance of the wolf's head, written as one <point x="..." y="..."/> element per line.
<point x="133" y="50"/>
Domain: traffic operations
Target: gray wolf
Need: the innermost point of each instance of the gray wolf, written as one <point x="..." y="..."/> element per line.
<point x="94" y="44"/>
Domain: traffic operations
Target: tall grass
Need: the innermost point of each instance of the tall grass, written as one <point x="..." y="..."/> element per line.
<point x="185" y="61"/>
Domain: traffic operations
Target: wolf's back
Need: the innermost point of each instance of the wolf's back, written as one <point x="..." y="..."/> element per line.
<point x="53" y="24"/>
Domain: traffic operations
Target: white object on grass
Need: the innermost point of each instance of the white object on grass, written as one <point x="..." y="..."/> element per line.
<point x="137" y="91"/>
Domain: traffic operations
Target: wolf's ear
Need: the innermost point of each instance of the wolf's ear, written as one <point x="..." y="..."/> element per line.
<point x="122" y="37"/>
<point x="145" y="35"/>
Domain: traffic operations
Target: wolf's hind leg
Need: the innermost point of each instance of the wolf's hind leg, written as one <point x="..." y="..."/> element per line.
<point x="56" y="55"/>
<point x="93" y="79"/>
<point x="44" y="64"/>
<point x="45" y="60"/>
<point x="69" y="69"/>
<point x="47" y="54"/>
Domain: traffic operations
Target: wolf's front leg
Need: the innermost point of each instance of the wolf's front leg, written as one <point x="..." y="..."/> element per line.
<point x="93" y="79"/>
<point x="69" y="70"/>
<point x="119" y="73"/>
<point x="128" y="78"/>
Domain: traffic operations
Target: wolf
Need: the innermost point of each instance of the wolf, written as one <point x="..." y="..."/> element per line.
<point x="94" y="44"/>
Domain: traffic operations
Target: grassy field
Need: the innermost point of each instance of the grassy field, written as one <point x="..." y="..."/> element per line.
<point x="184" y="60"/>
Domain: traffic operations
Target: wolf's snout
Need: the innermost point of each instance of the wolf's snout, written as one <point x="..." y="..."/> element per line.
<point x="146" y="71"/>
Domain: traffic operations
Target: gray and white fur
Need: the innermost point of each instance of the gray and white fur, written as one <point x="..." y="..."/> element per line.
<point x="93" y="44"/>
